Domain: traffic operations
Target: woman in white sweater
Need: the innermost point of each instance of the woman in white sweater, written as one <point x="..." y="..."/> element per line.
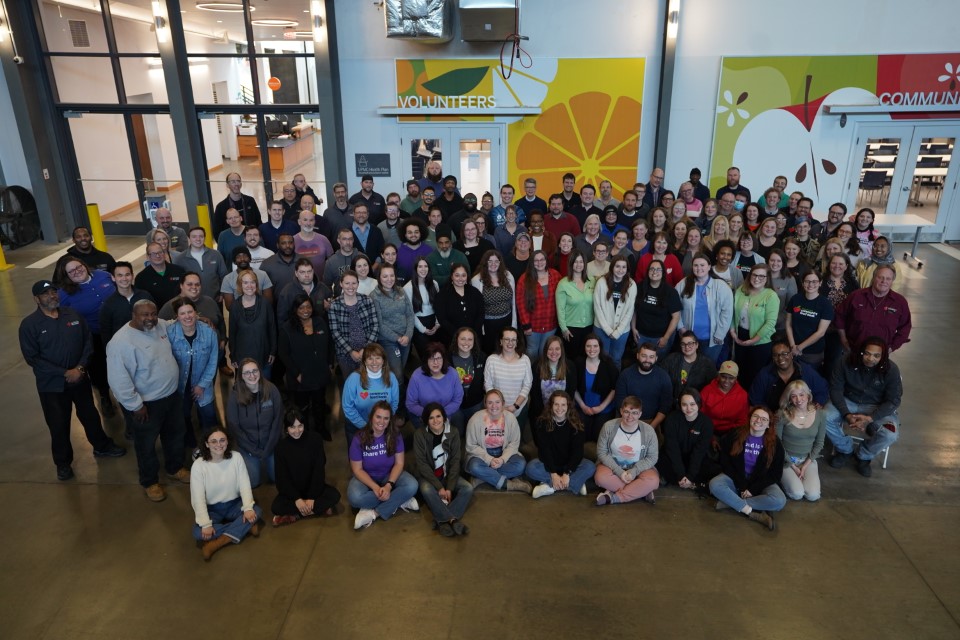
<point x="613" y="299"/>
<point x="223" y="507"/>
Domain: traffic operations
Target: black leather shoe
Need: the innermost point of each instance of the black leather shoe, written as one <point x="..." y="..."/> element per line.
<point x="839" y="459"/>
<point x="863" y="468"/>
<point x="112" y="451"/>
<point x="64" y="473"/>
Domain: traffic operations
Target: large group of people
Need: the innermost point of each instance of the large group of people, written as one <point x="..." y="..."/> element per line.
<point x="558" y="345"/>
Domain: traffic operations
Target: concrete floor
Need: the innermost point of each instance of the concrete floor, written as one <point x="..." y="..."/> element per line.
<point x="92" y="558"/>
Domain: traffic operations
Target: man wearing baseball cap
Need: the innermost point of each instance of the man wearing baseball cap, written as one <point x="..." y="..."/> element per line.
<point x="56" y="343"/>
<point x="725" y="401"/>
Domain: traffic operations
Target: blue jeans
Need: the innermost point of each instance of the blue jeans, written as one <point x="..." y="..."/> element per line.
<point x="536" y="342"/>
<point x="723" y="489"/>
<point x="396" y="356"/>
<point x="254" y="465"/>
<point x="447" y="512"/>
<point x="661" y="353"/>
<point x="361" y="496"/>
<point x="497" y="478"/>
<point x="207" y="415"/>
<point x="613" y="347"/>
<point x="227" y="518"/>
<point x="875" y="439"/>
<point x="536" y="471"/>
<point x="715" y="352"/>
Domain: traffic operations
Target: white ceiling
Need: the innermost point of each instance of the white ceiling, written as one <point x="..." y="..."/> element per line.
<point x="211" y="23"/>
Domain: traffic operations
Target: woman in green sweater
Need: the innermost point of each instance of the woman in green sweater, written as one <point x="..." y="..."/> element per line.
<point x="755" y="309"/>
<point x="575" y="303"/>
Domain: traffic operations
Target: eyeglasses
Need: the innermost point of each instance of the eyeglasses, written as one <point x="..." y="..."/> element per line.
<point x="688" y="344"/>
<point x="781" y="356"/>
<point x="758" y="276"/>
<point x="760" y="420"/>
<point x="811" y="282"/>
<point x="154" y="253"/>
<point x="251" y="372"/>
<point x="436" y="358"/>
<point x="77" y="270"/>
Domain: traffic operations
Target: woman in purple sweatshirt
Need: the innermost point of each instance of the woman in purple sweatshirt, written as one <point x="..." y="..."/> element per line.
<point x="435" y="381"/>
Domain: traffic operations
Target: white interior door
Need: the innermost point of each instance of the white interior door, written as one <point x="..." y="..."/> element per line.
<point x="472" y="152"/>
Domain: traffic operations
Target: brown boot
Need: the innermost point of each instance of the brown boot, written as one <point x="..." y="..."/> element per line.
<point x="210" y="547"/>
<point x="763" y="518"/>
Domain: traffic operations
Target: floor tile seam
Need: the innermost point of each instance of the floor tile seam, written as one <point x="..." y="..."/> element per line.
<point x="919" y="573"/>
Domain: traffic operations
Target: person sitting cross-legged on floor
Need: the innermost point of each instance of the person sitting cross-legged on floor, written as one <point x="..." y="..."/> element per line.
<point x="300" y="466"/>
<point x="437" y="454"/>
<point x="559" y="436"/>
<point x="493" y="446"/>
<point x="627" y="455"/>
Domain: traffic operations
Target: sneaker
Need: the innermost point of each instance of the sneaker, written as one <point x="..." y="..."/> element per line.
<point x="460" y="529"/>
<point x="518" y="484"/>
<point x="839" y="459"/>
<point x="279" y="521"/>
<point x="650" y="498"/>
<point x="112" y="451"/>
<point x="583" y="489"/>
<point x="410" y="505"/>
<point x="183" y="475"/>
<point x="365" y="518"/>
<point x="603" y="498"/>
<point x="156" y="493"/>
<point x="475" y="482"/>
<point x="64" y="473"/>
<point x="720" y="506"/>
<point x="446" y="530"/>
<point x="541" y="490"/>
<point x="763" y="518"/>
<point x="863" y="468"/>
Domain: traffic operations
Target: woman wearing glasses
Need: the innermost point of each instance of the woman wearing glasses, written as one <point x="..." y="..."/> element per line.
<point x="809" y="315"/>
<point x="689" y="369"/>
<point x="752" y="461"/>
<point x="223" y="506"/>
<point x="755" y="310"/>
<point x="255" y="416"/>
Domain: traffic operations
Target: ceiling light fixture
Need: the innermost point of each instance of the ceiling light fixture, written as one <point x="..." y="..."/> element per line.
<point x="274" y="22"/>
<point x="222" y="7"/>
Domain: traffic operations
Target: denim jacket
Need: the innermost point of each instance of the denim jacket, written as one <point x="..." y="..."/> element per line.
<point x="205" y="352"/>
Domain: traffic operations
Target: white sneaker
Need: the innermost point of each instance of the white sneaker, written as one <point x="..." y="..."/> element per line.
<point x="542" y="489"/>
<point x="410" y="505"/>
<point x="365" y="518"/>
<point x="583" y="489"/>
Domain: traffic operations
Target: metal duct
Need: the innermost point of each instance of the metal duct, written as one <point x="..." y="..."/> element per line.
<point x="487" y="20"/>
<point x="420" y="20"/>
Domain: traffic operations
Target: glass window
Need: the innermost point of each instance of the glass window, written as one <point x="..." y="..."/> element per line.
<point x="84" y="79"/>
<point x="221" y="80"/>
<point x="422" y="151"/>
<point x="475" y="166"/>
<point x="106" y="170"/>
<point x="143" y="77"/>
<point x="878" y="163"/>
<point x="133" y="26"/>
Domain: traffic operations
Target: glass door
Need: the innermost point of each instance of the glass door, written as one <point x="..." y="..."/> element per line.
<point x="907" y="168"/>
<point x="470" y="152"/>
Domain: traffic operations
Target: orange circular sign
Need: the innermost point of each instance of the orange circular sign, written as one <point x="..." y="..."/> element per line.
<point x="274" y="83"/>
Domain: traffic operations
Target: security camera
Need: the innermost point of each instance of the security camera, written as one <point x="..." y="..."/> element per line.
<point x="18" y="59"/>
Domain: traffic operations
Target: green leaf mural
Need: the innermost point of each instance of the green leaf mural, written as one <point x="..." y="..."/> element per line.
<point x="457" y="82"/>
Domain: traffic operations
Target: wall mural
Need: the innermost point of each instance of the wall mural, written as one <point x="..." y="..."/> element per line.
<point x="769" y="120"/>
<point x="593" y="133"/>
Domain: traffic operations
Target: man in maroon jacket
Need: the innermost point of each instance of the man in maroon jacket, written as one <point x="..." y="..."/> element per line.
<point x="876" y="310"/>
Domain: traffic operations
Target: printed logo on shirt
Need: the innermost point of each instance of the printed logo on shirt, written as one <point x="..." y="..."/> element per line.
<point x="364" y="394"/>
<point x="72" y="323"/>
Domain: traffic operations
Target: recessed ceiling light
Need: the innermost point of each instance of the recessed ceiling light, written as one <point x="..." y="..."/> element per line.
<point x="274" y="22"/>
<point x="223" y="7"/>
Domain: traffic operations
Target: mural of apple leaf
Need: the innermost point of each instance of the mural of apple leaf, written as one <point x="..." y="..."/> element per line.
<point x="457" y="82"/>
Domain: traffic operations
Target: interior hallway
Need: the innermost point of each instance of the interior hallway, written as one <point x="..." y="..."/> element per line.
<point x="93" y="558"/>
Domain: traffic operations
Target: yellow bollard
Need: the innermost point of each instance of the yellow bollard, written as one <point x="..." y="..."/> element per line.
<point x="4" y="266"/>
<point x="96" y="227"/>
<point x="203" y="219"/>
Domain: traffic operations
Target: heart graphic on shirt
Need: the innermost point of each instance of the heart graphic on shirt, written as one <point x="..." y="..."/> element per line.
<point x="364" y="394"/>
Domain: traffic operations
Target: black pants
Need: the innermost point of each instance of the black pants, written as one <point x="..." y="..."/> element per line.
<point x="313" y="406"/>
<point x="164" y="420"/>
<point x="491" y="334"/>
<point x="97" y="366"/>
<point x="593" y="424"/>
<point x="57" y="411"/>
<point x="284" y="506"/>
<point x="574" y="346"/>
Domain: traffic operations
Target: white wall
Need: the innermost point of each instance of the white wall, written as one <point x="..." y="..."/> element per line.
<point x="12" y="160"/>
<point x="710" y="30"/>
<point x="557" y="29"/>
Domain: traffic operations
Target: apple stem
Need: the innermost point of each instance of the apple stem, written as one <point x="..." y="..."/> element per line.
<point x="806" y="102"/>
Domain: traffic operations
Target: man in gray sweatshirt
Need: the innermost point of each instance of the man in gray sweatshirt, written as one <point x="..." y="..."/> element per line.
<point x="143" y="374"/>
